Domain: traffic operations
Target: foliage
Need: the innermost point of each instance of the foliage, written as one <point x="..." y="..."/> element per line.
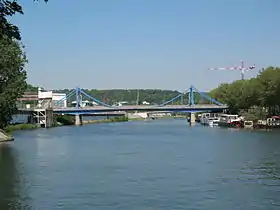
<point x="65" y="119"/>
<point x="262" y="91"/>
<point x="70" y="120"/>
<point x="119" y="119"/>
<point x="12" y="61"/>
<point x="254" y="114"/>
<point x="12" y="77"/>
<point x="9" y="8"/>
<point x="129" y="95"/>
<point x="16" y="127"/>
<point x="153" y="96"/>
<point x="31" y="88"/>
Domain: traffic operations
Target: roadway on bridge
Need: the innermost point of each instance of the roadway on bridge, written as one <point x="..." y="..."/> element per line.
<point x="104" y="109"/>
<point x="173" y="108"/>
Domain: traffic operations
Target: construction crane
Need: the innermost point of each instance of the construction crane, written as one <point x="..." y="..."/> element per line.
<point x="241" y="68"/>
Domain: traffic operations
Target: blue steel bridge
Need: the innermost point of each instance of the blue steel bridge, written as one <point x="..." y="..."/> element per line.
<point x="191" y="107"/>
<point x="103" y="109"/>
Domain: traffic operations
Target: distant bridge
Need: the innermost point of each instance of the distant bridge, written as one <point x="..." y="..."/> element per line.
<point x="103" y="108"/>
<point x="169" y="108"/>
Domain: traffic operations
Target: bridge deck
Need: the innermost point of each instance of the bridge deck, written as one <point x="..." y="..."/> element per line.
<point x="137" y="108"/>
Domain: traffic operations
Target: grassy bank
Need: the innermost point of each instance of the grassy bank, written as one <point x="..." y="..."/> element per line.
<point x="16" y="127"/>
<point x="63" y="120"/>
<point x="115" y="119"/>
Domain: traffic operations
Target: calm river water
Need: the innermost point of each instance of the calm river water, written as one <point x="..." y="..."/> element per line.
<point x="158" y="165"/>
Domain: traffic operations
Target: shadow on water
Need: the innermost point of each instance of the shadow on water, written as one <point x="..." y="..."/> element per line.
<point x="12" y="196"/>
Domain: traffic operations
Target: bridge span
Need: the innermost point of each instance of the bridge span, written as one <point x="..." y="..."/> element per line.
<point x="169" y="108"/>
<point x="46" y="108"/>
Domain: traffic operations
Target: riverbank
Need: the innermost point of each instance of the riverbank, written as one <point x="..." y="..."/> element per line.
<point x="5" y="136"/>
<point x="62" y="121"/>
<point x="111" y="120"/>
<point x="70" y="120"/>
<point x="17" y="127"/>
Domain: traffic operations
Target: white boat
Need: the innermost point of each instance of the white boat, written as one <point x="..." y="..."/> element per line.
<point x="209" y="119"/>
<point x="248" y="124"/>
<point x="204" y="118"/>
<point x="212" y="121"/>
<point x="227" y="120"/>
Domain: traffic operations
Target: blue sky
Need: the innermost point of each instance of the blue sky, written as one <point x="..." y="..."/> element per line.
<point x="167" y="44"/>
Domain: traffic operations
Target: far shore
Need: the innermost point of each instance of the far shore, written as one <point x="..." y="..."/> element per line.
<point x="11" y="128"/>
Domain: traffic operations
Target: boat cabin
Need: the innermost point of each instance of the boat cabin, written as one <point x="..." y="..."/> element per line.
<point x="274" y="121"/>
<point x="248" y="124"/>
<point x="229" y="118"/>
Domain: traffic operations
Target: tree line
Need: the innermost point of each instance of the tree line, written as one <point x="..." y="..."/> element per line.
<point x="258" y="97"/>
<point x="111" y="96"/>
<point x="12" y="62"/>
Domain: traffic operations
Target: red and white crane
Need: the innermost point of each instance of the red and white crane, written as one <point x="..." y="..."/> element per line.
<point x="241" y="68"/>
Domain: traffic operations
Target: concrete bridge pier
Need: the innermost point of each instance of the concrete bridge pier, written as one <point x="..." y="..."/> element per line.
<point x="49" y="121"/>
<point x="78" y="119"/>
<point x="192" y="118"/>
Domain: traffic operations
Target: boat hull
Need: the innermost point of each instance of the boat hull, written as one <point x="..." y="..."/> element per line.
<point x="236" y="124"/>
<point x="209" y="122"/>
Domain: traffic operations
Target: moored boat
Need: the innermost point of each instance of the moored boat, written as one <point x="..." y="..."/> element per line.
<point x="212" y="121"/>
<point x="227" y="120"/>
<point x="248" y="124"/>
<point x="204" y="118"/>
<point x="273" y="122"/>
<point x="209" y="119"/>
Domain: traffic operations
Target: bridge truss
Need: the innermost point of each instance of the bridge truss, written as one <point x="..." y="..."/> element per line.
<point x="190" y="96"/>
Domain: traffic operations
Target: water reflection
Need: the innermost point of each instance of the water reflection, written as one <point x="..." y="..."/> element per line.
<point x="12" y="195"/>
<point x="45" y="145"/>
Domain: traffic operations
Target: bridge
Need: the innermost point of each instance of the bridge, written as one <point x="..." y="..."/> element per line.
<point x="106" y="109"/>
<point x="145" y="108"/>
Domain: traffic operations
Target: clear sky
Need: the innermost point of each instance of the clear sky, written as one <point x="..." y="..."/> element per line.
<point x="166" y="44"/>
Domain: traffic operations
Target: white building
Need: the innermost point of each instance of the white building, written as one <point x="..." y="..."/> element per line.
<point x="120" y="103"/>
<point x="85" y="103"/>
<point x="57" y="99"/>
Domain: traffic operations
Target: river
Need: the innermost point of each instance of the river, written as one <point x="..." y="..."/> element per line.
<point x="158" y="165"/>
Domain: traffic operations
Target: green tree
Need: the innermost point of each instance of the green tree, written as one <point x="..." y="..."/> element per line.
<point x="12" y="77"/>
<point x="253" y="95"/>
<point x="269" y="82"/>
<point x="10" y="8"/>
<point x="12" y="61"/>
